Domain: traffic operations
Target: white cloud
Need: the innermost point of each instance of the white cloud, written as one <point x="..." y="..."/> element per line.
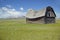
<point x="21" y="8"/>
<point x="11" y="13"/>
<point x="4" y="8"/>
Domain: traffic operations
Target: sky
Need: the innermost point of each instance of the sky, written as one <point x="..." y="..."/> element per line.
<point x="19" y="8"/>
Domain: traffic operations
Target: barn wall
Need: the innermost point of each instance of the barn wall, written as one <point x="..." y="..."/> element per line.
<point x="39" y="20"/>
<point x="50" y="20"/>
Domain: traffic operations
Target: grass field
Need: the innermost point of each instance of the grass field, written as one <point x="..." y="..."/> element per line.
<point x="19" y="30"/>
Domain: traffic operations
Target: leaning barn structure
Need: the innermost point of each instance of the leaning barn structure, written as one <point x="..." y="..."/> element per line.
<point x="44" y="16"/>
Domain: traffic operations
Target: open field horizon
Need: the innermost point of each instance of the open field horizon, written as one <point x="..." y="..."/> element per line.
<point x="19" y="30"/>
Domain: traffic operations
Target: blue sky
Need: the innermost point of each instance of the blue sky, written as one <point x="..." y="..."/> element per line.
<point x="12" y="8"/>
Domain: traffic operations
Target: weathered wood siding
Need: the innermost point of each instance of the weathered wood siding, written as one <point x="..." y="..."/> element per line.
<point x="37" y="20"/>
<point x="49" y="20"/>
<point x="41" y="20"/>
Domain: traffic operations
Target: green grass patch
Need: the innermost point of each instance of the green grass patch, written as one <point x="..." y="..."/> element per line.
<point x="19" y="30"/>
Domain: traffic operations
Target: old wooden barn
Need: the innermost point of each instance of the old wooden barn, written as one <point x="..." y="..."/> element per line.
<point x="44" y="16"/>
